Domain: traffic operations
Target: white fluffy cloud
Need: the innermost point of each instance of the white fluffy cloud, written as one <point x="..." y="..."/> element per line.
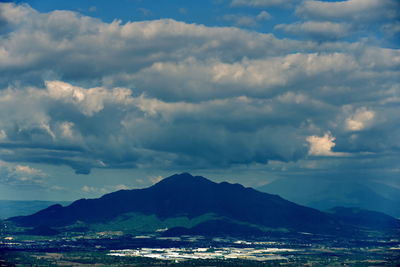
<point x="65" y="45"/>
<point x="322" y="146"/>
<point x="360" y="120"/>
<point x="88" y="101"/>
<point x="330" y="20"/>
<point x="353" y="10"/>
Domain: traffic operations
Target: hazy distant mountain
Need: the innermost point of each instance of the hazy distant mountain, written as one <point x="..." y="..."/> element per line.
<point x="325" y="194"/>
<point x="11" y="208"/>
<point x="242" y="209"/>
<point x="365" y="218"/>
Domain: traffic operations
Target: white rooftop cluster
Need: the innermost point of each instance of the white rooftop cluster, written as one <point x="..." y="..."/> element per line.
<point x="261" y="254"/>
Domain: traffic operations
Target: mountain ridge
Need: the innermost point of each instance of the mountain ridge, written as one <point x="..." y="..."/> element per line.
<point x="191" y="196"/>
<point x="325" y="194"/>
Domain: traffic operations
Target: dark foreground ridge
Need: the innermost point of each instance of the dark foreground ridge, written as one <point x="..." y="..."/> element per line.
<point x="242" y="209"/>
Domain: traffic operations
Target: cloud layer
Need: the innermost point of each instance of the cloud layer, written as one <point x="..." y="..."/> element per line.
<point x="80" y="92"/>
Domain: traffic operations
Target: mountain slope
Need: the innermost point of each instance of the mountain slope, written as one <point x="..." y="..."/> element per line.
<point x="325" y="194"/>
<point x="185" y="195"/>
<point x="11" y="208"/>
<point x="365" y="218"/>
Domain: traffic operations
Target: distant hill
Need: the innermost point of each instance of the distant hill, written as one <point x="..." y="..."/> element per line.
<point x="183" y="204"/>
<point x="215" y="228"/>
<point x="11" y="208"/>
<point x="325" y="194"/>
<point x="365" y="218"/>
<point x="191" y="196"/>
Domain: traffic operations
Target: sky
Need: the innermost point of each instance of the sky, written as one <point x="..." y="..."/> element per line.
<point x="97" y="96"/>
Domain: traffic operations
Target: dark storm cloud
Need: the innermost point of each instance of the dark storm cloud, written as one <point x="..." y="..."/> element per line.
<point x="80" y="92"/>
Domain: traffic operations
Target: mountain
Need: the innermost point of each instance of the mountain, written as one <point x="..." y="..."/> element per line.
<point x="11" y="208"/>
<point x="183" y="195"/>
<point x="215" y="228"/>
<point x="365" y="218"/>
<point x="325" y="194"/>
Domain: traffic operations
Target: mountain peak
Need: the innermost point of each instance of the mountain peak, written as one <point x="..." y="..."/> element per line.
<point x="189" y="196"/>
<point x="182" y="180"/>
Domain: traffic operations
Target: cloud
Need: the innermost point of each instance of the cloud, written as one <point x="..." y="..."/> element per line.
<point x="350" y="10"/>
<point x="92" y="9"/>
<point x="205" y="80"/>
<point x="246" y="20"/>
<point x="156" y="179"/>
<point x="92" y="50"/>
<point x="88" y="101"/>
<point x="316" y="30"/>
<point x="145" y="12"/>
<point x="183" y="10"/>
<point x="392" y="30"/>
<point x="141" y="130"/>
<point x="164" y="94"/>
<point x="338" y="19"/>
<point x="360" y="120"/>
<point x="23" y="169"/>
<point x="3" y="134"/>
<point x="241" y="20"/>
<point x="21" y="176"/>
<point x="261" y="3"/>
<point x="263" y="15"/>
<point x="89" y="189"/>
<point x="322" y="146"/>
<point x="93" y="190"/>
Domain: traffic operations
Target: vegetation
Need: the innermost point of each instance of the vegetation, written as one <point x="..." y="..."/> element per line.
<point x="102" y="259"/>
<point x="136" y="223"/>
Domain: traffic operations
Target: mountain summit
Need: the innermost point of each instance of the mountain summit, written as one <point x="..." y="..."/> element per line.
<point x="184" y="195"/>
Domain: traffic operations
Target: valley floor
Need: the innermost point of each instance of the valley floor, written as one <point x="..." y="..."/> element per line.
<point x="200" y="251"/>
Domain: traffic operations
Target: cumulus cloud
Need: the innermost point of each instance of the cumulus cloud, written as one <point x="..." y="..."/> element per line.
<point x="88" y="101"/>
<point x="338" y="19"/>
<point x="155" y="179"/>
<point x="241" y="20"/>
<point x="21" y="176"/>
<point x="89" y="189"/>
<point x="261" y="3"/>
<point x="351" y="10"/>
<point x="392" y="30"/>
<point x="263" y="15"/>
<point x="322" y="146"/>
<point x="79" y="92"/>
<point x="141" y="130"/>
<point x="360" y="120"/>
<point x="23" y="169"/>
<point x="316" y="30"/>
<point x="260" y="77"/>
<point x="246" y="20"/>
<point x="93" y="190"/>
<point x="91" y="49"/>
